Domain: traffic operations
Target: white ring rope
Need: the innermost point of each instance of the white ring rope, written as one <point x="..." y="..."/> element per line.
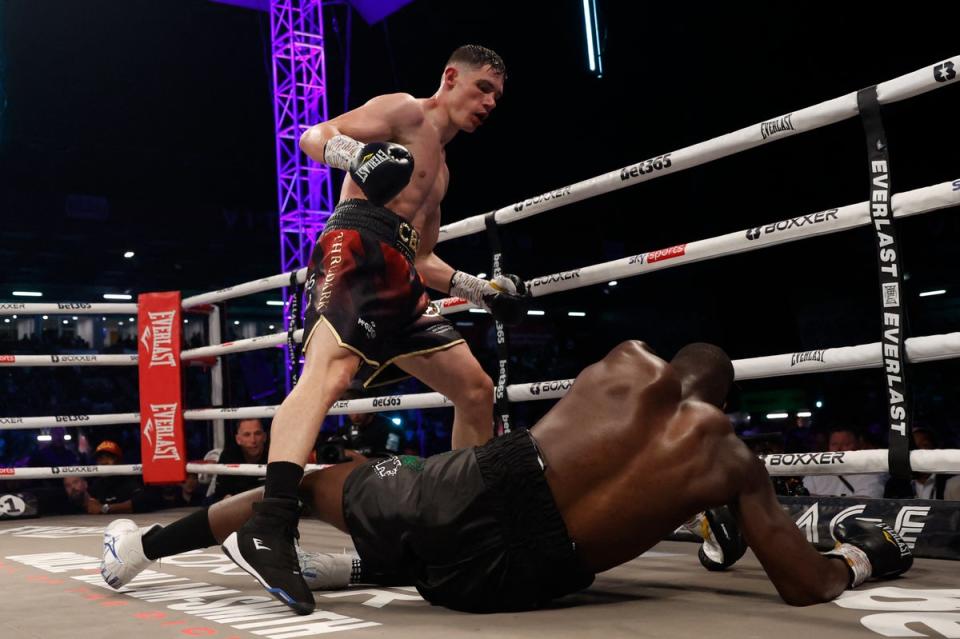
<point x="808" y="119"/>
<point x="828" y="112"/>
<point x="919" y="350"/>
<point x="26" y="423"/>
<point x="240" y="345"/>
<point x="13" y="308"/>
<point x="868" y="355"/>
<point x="68" y="360"/>
<point x="857" y="462"/>
<point x="916" y="202"/>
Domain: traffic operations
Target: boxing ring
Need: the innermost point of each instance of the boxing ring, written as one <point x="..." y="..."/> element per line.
<point x="202" y="594"/>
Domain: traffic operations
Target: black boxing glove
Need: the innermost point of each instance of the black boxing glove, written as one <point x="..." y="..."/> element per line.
<point x="723" y="545"/>
<point x="505" y="296"/>
<point x="870" y="549"/>
<point x="380" y="169"/>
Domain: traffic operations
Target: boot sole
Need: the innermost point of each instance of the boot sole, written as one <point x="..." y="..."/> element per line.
<point x="232" y="550"/>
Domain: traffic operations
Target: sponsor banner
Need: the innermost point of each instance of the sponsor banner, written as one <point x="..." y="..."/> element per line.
<point x="18" y="506"/>
<point x="161" y="407"/>
<point x="8" y="359"/>
<point x="928" y="527"/>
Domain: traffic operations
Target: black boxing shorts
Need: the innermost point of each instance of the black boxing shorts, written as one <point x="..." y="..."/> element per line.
<point x="361" y="283"/>
<point x="475" y="529"/>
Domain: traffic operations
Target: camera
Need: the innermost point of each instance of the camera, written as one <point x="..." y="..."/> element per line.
<point x="334" y="449"/>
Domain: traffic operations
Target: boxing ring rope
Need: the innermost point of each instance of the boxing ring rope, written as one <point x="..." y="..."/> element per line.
<point x="829" y="112"/>
<point x="916" y="202"/>
<point x="919" y="349"/>
<point x="808" y="119"/>
<point x="857" y="462"/>
<point x="844" y="358"/>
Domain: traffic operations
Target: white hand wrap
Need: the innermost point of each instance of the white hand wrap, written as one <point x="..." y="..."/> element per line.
<point x="857" y="562"/>
<point x="340" y="150"/>
<point x="470" y="288"/>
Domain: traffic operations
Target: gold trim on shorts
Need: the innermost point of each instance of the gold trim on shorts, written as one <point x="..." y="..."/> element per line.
<point x="390" y="361"/>
<point x="340" y="342"/>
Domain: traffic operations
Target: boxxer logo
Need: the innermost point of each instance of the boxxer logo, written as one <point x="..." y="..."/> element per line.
<point x="945" y="72"/>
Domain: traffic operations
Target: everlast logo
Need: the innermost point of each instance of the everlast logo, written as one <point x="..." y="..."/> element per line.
<point x="368" y="164"/>
<point x="552" y="195"/>
<point x="157" y="338"/>
<point x="804" y="459"/>
<point x="12" y="307"/>
<point x="881" y="213"/>
<point x="379" y="402"/>
<point x="806" y="356"/>
<point x="944" y="72"/>
<point x="72" y="418"/>
<point x="556" y="277"/>
<point x="778" y="125"/>
<point x="67" y="359"/>
<point x="547" y="387"/>
<point x="797" y="222"/>
<point x="11" y="420"/>
<point x="74" y="307"/>
<point x="161" y="424"/>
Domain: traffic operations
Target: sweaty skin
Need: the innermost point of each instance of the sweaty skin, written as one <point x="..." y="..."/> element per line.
<point x="424" y="126"/>
<point x="631" y="454"/>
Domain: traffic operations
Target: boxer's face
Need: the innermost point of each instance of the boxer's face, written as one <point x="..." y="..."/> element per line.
<point x="474" y="94"/>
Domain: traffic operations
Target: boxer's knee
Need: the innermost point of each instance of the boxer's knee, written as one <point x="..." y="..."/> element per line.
<point x="477" y="393"/>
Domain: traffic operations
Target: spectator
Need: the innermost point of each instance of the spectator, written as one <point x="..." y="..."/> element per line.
<point x="844" y="439"/>
<point x="251" y="448"/>
<point x="115" y="493"/>
<point x="187" y="493"/>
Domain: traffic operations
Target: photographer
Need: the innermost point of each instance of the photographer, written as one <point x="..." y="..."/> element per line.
<point x="370" y="434"/>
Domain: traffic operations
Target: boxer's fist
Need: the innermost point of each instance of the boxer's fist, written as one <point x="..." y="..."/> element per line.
<point x="723" y="544"/>
<point x="871" y="549"/>
<point x="506" y="296"/>
<point x="382" y="170"/>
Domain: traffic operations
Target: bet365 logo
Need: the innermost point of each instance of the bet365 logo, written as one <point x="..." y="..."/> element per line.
<point x="944" y="72"/>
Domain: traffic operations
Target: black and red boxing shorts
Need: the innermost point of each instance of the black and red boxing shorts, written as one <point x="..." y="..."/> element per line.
<point x="362" y="283"/>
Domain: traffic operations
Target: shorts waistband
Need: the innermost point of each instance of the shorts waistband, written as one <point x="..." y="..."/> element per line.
<point x="376" y="222"/>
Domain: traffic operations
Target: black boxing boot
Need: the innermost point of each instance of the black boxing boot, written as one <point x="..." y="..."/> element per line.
<point x="870" y="549"/>
<point x="723" y="545"/>
<point x="266" y="548"/>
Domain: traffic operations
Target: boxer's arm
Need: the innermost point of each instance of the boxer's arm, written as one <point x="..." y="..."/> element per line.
<point x="378" y="120"/>
<point x="435" y="272"/>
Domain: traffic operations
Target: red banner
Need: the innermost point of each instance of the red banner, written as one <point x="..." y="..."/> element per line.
<point x="161" y="392"/>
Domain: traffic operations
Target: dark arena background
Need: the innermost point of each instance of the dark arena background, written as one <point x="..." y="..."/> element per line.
<point x="150" y="146"/>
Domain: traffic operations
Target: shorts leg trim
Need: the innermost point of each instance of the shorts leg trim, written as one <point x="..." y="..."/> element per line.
<point x="385" y="365"/>
<point x="340" y="342"/>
